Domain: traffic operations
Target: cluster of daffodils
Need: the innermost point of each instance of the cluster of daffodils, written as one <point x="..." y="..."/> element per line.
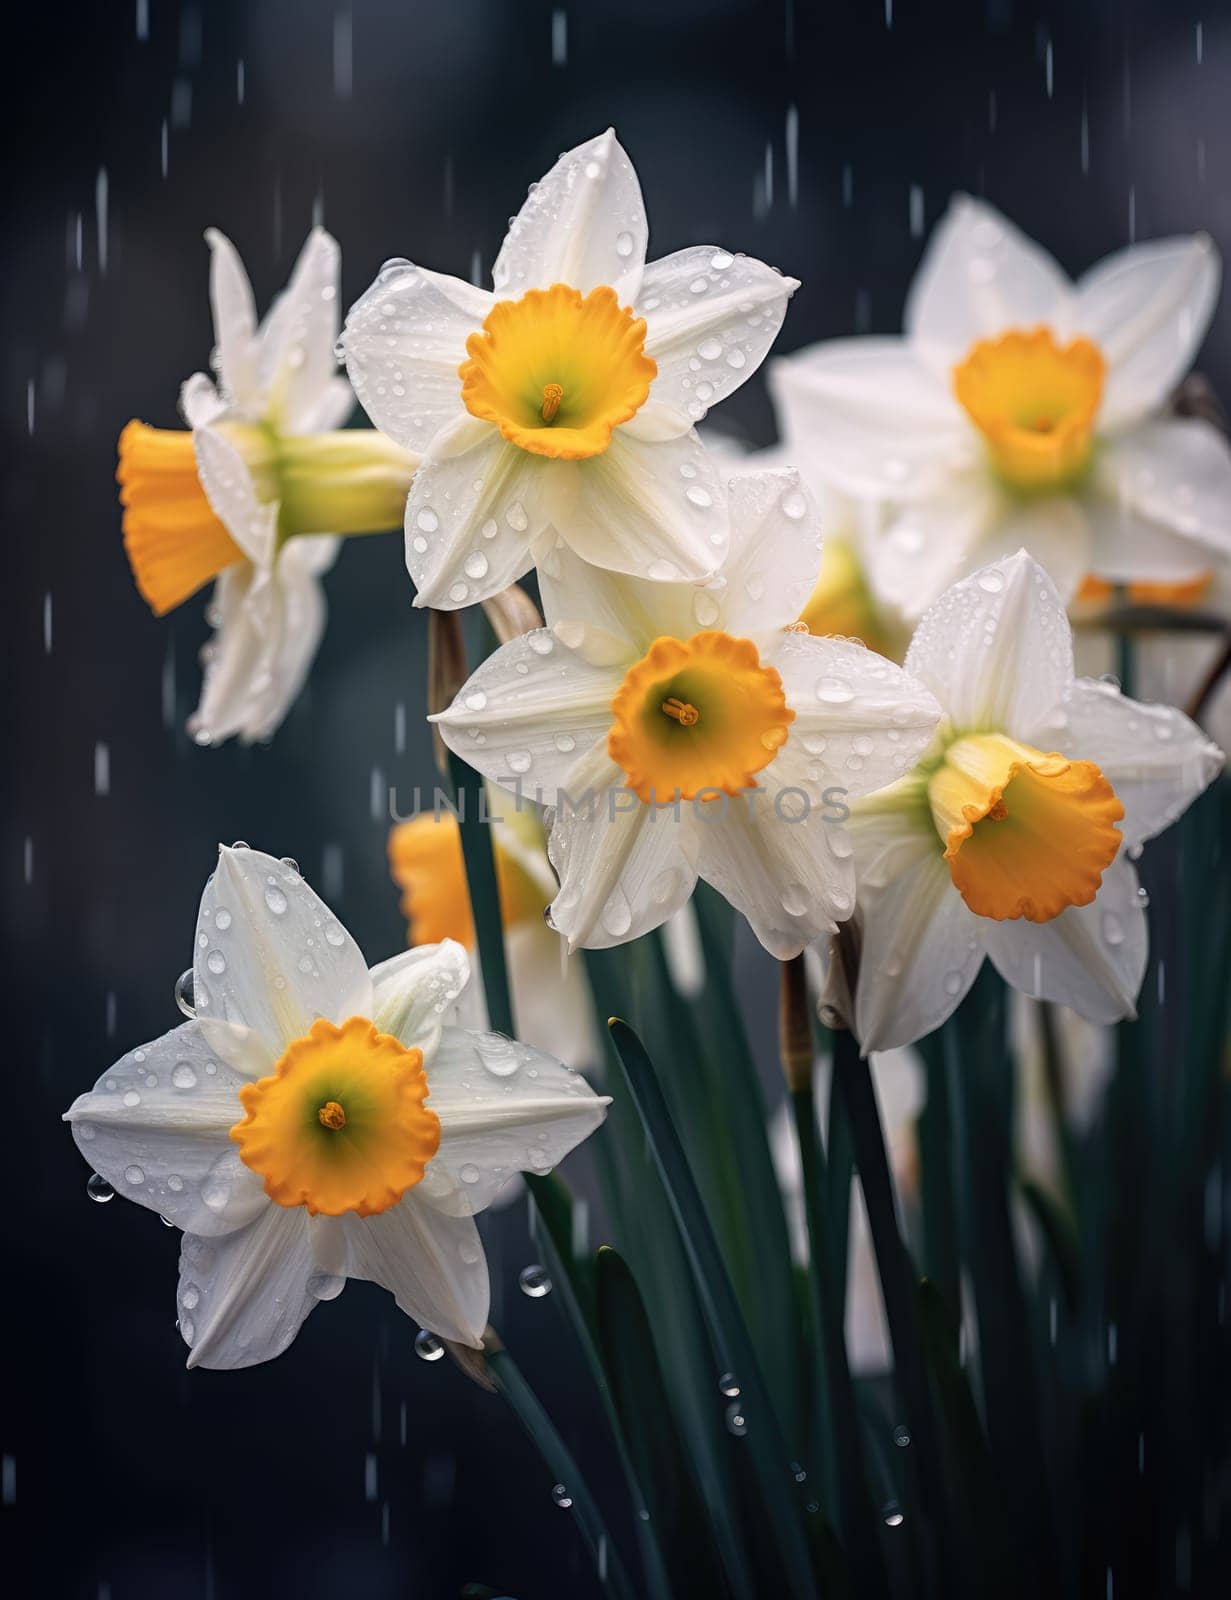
<point x="694" y="706"/>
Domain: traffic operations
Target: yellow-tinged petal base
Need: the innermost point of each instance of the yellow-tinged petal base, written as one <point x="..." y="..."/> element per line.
<point x="697" y="714"/>
<point x="1035" y="402"/>
<point x="174" y="542"/>
<point x="556" y="371"/>
<point x="341" y="1125"/>
<point x="841" y="605"/>
<point x="1026" y="834"/>
<point x="425" y="859"/>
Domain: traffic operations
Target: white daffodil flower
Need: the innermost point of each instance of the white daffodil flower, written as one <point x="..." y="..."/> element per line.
<point x="249" y="495"/>
<point x="1022" y="410"/>
<point x="318" y="1122"/>
<point x="552" y="1008"/>
<point x="1012" y="837"/>
<point x="682" y="732"/>
<point x="560" y="407"/>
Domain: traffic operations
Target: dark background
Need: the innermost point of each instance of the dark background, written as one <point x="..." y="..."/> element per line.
<point x="348" y="1466"/>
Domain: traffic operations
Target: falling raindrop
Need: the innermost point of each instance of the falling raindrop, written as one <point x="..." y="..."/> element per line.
<point x="534" y="1282"/>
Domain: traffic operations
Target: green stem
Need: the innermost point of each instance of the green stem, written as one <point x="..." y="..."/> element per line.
<point x="846" y="1475"/>
<point x="925" y="1473"/>
<point x="563" y="1467"/>
<point x="480" y="859"/>
<point x="733" y="1345"/>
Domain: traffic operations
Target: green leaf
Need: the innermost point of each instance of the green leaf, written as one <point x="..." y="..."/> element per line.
<point x="645" y="1415"/>
<point x="563" y="1468"/>
<point x="477" y="841"/>
<point x="779" y="1493"/>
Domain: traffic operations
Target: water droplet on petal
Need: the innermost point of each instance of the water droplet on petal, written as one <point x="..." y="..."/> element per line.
<point x="99" y="1189"/>
<point x="184" y="993"/>
<point x="427" y="1346"/>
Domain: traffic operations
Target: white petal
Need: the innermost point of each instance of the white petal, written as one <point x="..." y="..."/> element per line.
<point x="232" y="495"/>
<point x="200" y="403"/>
<point x="275" y="956"/>
<point x="920" y="946"/>
<point x="871" y="418"/>
<point x="432" y="1264"/>
<point x="157" y="1126"/>
<point x="1147" y="308"/>
<point x="413" y="992"/>
<point x="244" y="1297"/>
<point x="624" y="867"/>
<point x="530" y="713"/>
<point x="331" y="409"/>
<point x="778" y="859"/>
<point x="288" y="652"/>
<point x="232" y="655"/>
<point x="860" y="721"/>
<point x="404" y="341"/>
<point x="234" y="310"/>
<point x="1125" y="547"/>
<point x="774" y="558"/>
<point x="297" y="360"/>
<point x="996" y="649"/>
<point x="1174" y="474"/>
<point x="928" y="544"/>
<point x="610" y="618"/>
<point x="1156" y="760"/>
<point x="552" y="1008"/>
<point x="475" y="504"/>
<point x="582" y="224"/>
<point x="981" y="276"/>
<point x="711" y="318"/>
<point x="1092" y="958"/>
<point x="503" y="1108"/>
<point x="653" y="509"/>
<point x="1054" y="529"/>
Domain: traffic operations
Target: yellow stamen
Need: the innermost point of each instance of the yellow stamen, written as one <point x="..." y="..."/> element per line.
<point x="716" y="688"/>
<point x="1035" y="402"/>
<point x="174" y="542"/>
<point x="312" y="1153"/>
<point x="425" y="859"/>
<point x="687" y="716"/>
<point x="1026" y="834"/>
<point x="557" y="371"/>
